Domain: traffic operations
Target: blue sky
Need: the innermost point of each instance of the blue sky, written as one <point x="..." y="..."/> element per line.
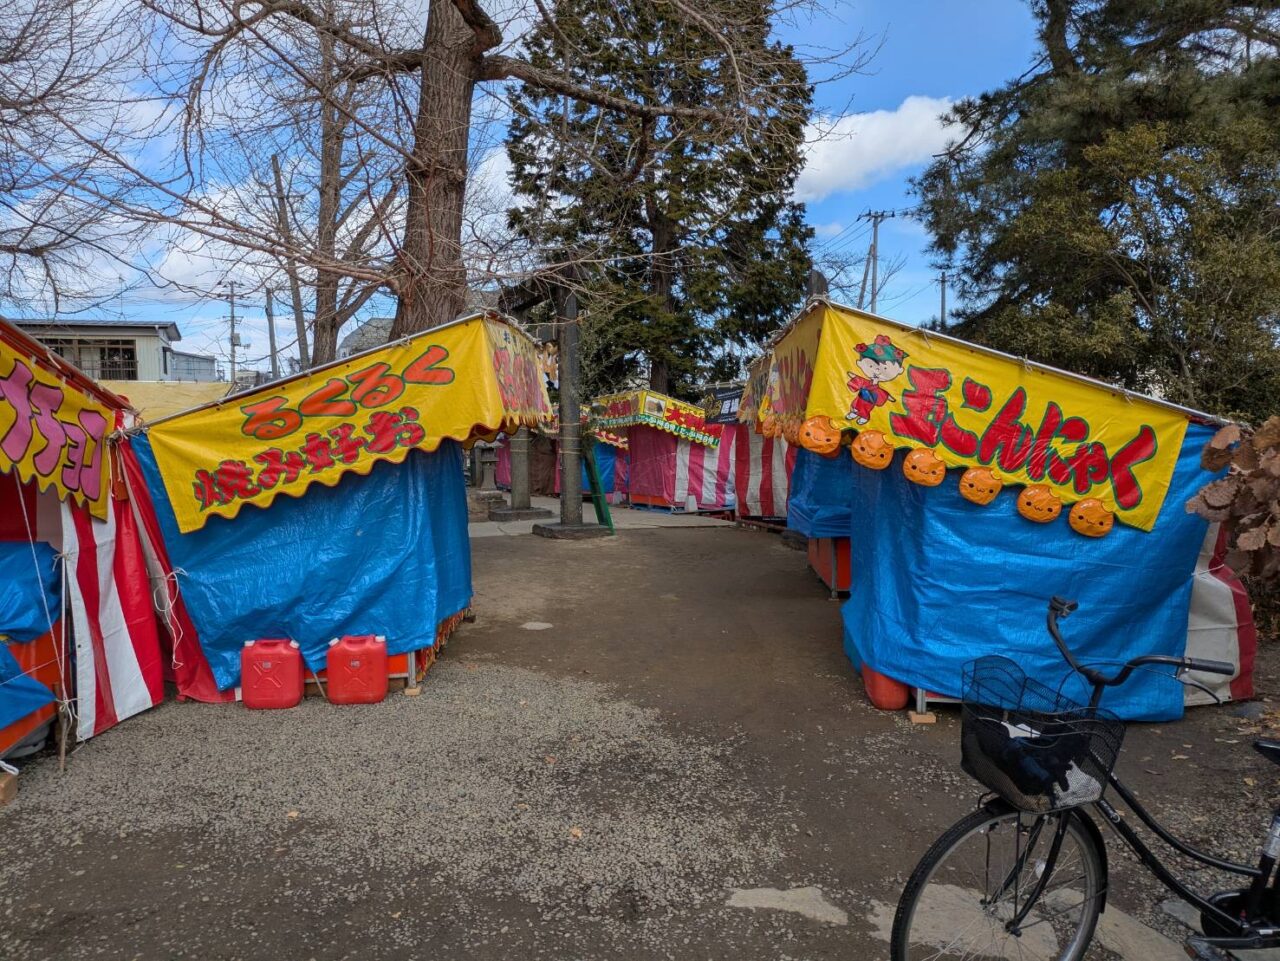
<point x="933" y="52"/>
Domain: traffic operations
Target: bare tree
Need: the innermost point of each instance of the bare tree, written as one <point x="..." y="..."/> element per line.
<point x="60" y="68"/>
<point x="399" y="85"/>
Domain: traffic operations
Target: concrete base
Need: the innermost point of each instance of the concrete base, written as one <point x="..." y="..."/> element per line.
<point x="505" y="514"/>
<point x="579" y="532"/>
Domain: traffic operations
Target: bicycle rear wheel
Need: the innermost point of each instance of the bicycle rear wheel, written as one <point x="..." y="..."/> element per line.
<point x="978" y="875"/>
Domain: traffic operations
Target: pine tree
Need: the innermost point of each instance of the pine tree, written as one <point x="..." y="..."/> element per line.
<point x="699" y="249"/>
<point x="1113" y="211"/>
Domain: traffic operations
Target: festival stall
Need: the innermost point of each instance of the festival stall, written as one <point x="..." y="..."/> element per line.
<point x="761" y="465"/>
<point x="77" y="626"/>
<point x="676" y="459"/>
<point x="983" y="484"/>
<point x="330" y="503"/>
<point x="817" y="501"/>
<point x="608" y="448"/>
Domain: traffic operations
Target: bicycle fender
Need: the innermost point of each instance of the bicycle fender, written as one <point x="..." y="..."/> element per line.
<point x="1091" y="826"/>
<point x="997" y="806"/>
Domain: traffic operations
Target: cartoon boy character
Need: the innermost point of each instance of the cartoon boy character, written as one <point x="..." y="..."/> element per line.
<point x="879" y="362"/>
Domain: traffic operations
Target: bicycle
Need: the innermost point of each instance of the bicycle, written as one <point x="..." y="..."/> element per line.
<point x="1025" y="875"/>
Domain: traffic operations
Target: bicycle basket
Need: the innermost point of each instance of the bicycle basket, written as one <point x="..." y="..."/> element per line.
<point x="1037" y="749"/>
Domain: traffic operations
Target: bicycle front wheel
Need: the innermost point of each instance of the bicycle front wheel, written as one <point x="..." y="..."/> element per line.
<point x="978" y="877"/>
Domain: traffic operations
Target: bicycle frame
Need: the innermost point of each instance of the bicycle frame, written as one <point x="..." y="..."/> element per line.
<point x="1243" y="934"/>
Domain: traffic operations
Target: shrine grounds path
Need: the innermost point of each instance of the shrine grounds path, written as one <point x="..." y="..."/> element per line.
<point x="647" y="747"/>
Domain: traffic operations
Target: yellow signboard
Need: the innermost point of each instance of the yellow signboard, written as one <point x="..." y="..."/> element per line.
<point x="474" y="377"/>
<point x="648" y="408"/>
<point x="51" y="434"/>
<point x="973" y="407"/>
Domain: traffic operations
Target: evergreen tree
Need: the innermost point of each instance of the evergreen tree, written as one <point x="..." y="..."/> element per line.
<point x="1113" y="211"/>
<point x="699" y="250"/>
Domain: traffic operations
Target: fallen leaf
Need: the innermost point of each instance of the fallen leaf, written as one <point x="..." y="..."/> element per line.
<point x="575" y="833"/>
<point x="1250" y="781"/>
<point x="396" y="914"/>
<point x="550" y="759"/>
<point x="292" y="814"/>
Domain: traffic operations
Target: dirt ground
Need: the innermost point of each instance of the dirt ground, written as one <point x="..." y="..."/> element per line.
<point x="650" y="746"/>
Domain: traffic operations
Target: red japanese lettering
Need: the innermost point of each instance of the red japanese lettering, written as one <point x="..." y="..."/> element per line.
<point x="1038" y="462"/>
<point x="270" y="419"/>
<point x="93" y="428"/>
<point x="235" y="479"/>
<point x="1089" y="466"/>
<point x="1007" y="437"/>
<point x="346" y="447"/>
<point x="388" y="430"/>
<point x="46" y="400"/>
<point x="14" y="391"/>
<point x="375" y="385"/>
<point x="277" y="464"/>
<point x="427" y="370"/>
<point x="207" y="491"/>
<point x="1123" y="481"/>
<point x="328" y="400"/>
<point x="318" y="452"/>
<point x="976" y="396"/>
<point x="926" y="406"/>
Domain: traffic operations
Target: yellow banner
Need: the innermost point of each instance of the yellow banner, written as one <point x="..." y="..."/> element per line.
<point x="975" y="408"/>
<point x="648" y="408"/>
<point x="51" y="434"/>
<point x="474" y="377"/>
<point x="755" y="392"/>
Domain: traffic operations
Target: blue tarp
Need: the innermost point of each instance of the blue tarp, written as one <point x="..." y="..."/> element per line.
<point x="19" y="694"/>
<point x="30" y="586"/>
<point x="385" y="553"/>
<point x="606" y="456"/>
<point x="820" y="495"/>
<point x="938" y="581"/>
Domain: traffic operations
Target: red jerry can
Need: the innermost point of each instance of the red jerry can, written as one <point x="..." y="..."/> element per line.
<point x="357" y="669"/>
<point x="270" y="674"/>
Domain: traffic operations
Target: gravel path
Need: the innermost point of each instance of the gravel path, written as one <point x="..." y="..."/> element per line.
<point x="681" y="731"/>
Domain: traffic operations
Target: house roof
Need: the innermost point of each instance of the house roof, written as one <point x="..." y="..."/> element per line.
<point x="68" y="323"/>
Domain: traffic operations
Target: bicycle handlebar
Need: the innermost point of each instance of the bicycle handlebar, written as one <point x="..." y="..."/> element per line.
<point x="1060" y="607"/>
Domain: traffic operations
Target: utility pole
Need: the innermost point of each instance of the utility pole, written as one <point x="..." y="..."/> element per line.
<point x="942" y="311"/>
<point x="235" y="338"/>
<point x="570" y="526"/>
<point x="291" y="265"/>
<point x="875" y="216"/>
<point x="271" y="334"/>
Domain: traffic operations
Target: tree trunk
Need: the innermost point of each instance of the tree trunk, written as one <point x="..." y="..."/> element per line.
<point x="325" y="342"/>
<point x="433" y="282"/>
<point x="661" y="283"/>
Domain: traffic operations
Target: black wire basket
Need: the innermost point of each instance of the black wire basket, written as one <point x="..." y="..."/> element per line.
<point x="1037" y="749"/>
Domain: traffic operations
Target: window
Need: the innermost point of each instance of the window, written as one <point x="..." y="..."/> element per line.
<point x="107" y="359"/>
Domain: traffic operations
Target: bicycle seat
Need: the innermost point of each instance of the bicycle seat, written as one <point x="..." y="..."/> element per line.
<point x="1268" y="748"/>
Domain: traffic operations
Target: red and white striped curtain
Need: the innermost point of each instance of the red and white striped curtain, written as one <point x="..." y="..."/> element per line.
<point x="762" y="472"/>
<point x="119" y="665"/>
<point x="704" y="475"/>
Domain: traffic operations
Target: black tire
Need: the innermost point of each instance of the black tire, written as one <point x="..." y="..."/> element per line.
<point x="915" y="936"/>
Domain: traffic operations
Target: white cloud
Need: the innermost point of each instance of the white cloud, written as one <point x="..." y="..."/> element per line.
<point x="855" y="151"/>
<point x="828" y="230"/>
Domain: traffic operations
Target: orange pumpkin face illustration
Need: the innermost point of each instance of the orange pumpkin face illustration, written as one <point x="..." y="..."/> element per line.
<point x="768" y="426"/>
<point x="791" y="431"/>
<point x="870" y="449"/>
<point x="1091" y="518"/>
<point x="924" y="467"/>
<point x="980" y="485"/>
<point x="820" y="435"/>
<point x="1038" y="503"/>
